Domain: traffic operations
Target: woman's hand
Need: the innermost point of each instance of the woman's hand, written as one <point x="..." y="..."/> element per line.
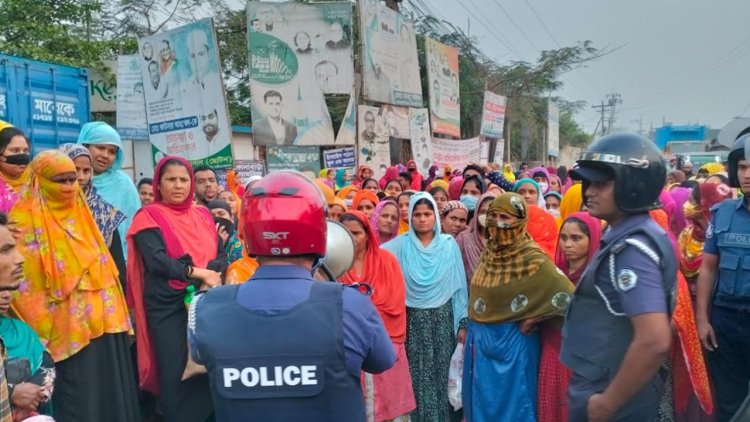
<point x="222" y="233"/>
<point x="208" y="277"/>
<point x="528" y="326"/>
<point x="461" y="337"/>
<point x="28" y="396"/>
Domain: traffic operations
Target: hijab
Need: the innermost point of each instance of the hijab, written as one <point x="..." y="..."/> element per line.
<point x="362" y="195"/>
<point x="542" y="227"/>
<point x="416" y="176"/>
<point x="471" y="241"/>
<point x="114" y="185"/>
<point x="188" y="232"/>
<point x="680" y="197"/>
<point x="515" y="279"/>
<point x="66" y="259"/>
<point x="391" y="173"/>
<point x="508" y="173"/>
<point x="439" y="183"/>
<point x="344" y="192"/>
<point x="432" y="173"/>
<point x="107" y="217"/>
<point x="542" y="170"/>
<point x="359" y="181"/>
<point x="572" y="201"/>
<point x="540" y="195"/>
<point x="454" y="188"/>
<point x="341" y="181"/>
<point x="382" y="271"/>
<point x="595" y="236"/>
<point x="376" y="218"/>
<point x="433" y="274"/>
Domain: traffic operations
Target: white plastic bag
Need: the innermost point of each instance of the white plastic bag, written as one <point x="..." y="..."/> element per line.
<point x="455" y="377"/>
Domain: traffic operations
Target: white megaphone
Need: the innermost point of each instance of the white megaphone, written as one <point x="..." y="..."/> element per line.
<point x="339" y="250"/>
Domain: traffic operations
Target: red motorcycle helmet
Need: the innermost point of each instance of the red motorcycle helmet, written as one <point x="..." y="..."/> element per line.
<point x="284" y="214"/>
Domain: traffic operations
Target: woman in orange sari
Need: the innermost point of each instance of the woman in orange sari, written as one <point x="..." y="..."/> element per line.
<point x="388" y="395"/>
<point x="172" y="244"/>
<point x="72" y="297"/>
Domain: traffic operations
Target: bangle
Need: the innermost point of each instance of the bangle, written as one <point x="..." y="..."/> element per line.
<point x="190" y="271"/>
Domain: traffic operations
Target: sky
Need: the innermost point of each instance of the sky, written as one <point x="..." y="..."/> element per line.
<point x="678" y="61"/>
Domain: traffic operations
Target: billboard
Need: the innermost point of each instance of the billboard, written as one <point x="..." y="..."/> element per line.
<point x="442" y="83"/>
<point x="493" y="115"/>
<point x="456" y="153"/>
<point x="131" y="104"/>
<point x="421" y="139"/>
<point x="185" y="104"/>
<point x="374" y="142"/>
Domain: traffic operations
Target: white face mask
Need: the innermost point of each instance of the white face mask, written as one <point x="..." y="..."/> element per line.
<point x="482" y="220"/>
<point x="555" y="213"/>
<point x="348" y="202"/>
<point x="543" y="186"/>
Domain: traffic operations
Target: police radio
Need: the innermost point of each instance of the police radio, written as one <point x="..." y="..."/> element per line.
<point x="340" y="255"/>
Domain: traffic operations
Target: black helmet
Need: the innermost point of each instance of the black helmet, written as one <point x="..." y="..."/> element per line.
<point x="740" y="151"/>
<point x="634" y="162"/>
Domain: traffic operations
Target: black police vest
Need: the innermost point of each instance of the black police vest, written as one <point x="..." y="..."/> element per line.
<point x="732" y="289"/>
<point x="595" y="340"/>
<point x="284" y="367"/>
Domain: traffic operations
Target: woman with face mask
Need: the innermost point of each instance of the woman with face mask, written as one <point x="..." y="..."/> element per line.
<point x="347" y="195"/>
<point x="472" y="188"/>
<point x="472" y="241"/>
<point x="514" y="287"/>
<point x="552" y="203"/>
<point x="541" y="176"/>
<point x="14" y="158"/>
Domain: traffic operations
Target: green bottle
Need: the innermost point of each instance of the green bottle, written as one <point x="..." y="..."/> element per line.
<point x="190" y="294"/>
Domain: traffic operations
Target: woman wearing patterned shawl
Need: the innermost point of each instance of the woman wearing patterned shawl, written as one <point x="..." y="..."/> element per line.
<point x="107" y="217"/>
<point x="71" y="296"/>
<point x="388" y="395"/>
<point x="514" y="286"/>
<point x="580" y="236"/>
<point x="435" y="306"/>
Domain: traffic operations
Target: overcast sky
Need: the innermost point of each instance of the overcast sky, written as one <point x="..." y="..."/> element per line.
<point x="684" y="61"/>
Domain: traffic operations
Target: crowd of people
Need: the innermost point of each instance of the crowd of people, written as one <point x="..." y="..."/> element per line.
<point x="96" y="273"/>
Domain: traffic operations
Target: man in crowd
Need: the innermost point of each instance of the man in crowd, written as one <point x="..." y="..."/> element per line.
<point x="206" y="186"/>
<point x="617" y="331"/>
<point x="317" y="337"/>
<point x="723" y="298"/>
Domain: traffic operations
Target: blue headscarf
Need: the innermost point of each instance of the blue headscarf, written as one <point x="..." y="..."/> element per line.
<point x="340" y="181"/>
<point x="540" y="201"/>
<point x="114" y="185"/>
<point x="434" y="274"/>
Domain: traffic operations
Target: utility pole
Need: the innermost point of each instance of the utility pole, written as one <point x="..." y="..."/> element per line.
<point x="603" y="109"/>
<point x="613" y="100"/>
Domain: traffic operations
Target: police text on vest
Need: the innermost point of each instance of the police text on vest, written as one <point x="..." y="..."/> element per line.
<point x="280" y="376"/>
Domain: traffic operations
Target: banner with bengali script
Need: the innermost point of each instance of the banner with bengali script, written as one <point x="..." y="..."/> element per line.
<point x="340" y="158"/>
<point x="245" y="169"/>
<point x="493" y="115"/>
<point x="391" y="65"/>
<point x="185" y="104"/>
<point x="373" y="140"/>
<point x="304" y="159"/>
<point x="298" y="53"/>
<point x="553" y="130"/>
<point x="442" y="83"/>
<point x="456" y="153"/>
<point x="421" y="145"/>
<point x="131" y="104"/>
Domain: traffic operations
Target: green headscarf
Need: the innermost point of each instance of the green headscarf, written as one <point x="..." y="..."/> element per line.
<point x="21" y="342"/>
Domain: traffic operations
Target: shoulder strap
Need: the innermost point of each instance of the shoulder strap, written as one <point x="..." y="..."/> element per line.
<point x="724" y="212"/>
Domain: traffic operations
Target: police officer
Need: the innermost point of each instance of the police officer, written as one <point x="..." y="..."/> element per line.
<point x="723" y="296"/>
<point x="282" y="347"/>
<point x="617" y="331"/>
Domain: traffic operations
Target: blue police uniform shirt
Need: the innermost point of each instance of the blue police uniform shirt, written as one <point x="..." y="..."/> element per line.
<point x="728" y="238"/>
<point x="276" y="289"/>
<point x="740" y="219"/>
<point x="635" y="286"/>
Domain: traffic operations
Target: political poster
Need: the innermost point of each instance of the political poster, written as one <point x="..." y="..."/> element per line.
<point x="391" y="65"/>
<point x="499" y="151"/>
<point x="397" y="120"/>
<point x="245" y="170"/>
<point x="493" y="115"/>
<point x="442" y="80"/>
<point x="484" y="151"/>
<point x="298" y="53"/>
<point x="304" y="159"/>
<point x="374" y="141"/>
<point x="348" y="130"/>
<point x="421" y="145"/>
<point x="553" y="130"/>
<point x="185" y="104"/>
<point x="456" y="153"/>
<point x="131" y="104"/>
<point x="102" y="89"/>
<point x="340" y="158"/>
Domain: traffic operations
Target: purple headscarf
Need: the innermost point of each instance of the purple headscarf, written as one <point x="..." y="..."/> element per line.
<point x="543" y="170"/>
<point x="680" y="196"/>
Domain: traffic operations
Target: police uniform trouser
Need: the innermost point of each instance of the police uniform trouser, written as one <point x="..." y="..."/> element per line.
<point x="643" y="407"/>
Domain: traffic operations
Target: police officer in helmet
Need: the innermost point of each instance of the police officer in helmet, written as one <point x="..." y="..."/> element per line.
<point x="723" y="298"/>
<point x="617" y="330"/>
<point x="283" y="347"/>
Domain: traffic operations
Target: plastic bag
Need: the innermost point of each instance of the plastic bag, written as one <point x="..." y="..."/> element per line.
<point x="455" y="377"/>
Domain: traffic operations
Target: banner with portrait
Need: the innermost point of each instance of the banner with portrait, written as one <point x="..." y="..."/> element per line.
<point x="456" y="153"/>
<point x="493" y="115"/>
<point x="442" y="84"/>
<point x="348" y="130"/>
<point x="184" y="91"/>
<point x="298" y="53"/>
<point x="130" y="103"/>
<point x="421" y="145"/>
<point x="391" y="65"/>
<point x="374" y="143"/>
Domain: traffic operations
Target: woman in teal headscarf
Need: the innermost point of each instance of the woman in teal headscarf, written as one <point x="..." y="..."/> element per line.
<point x="111" y="183"/>
<point x="341" y="179"/>
<point x="436" y="310"/>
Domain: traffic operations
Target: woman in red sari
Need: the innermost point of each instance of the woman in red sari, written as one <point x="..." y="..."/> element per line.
<point x="579" y="240"/>
<point x="172" y="244"/>
<point x="389" y="395"/>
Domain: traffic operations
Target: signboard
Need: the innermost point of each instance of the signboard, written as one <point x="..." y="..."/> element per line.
<point x="553" y="130"/>
<point x="298" y="158"/>
<point x="374" y="143"/>
<point x="298" y="52"/>
<point x="245" y="170"/>
<point x="391" y="65"/>
<point x="102" y="89"/>
<point x="456" y="153"/>
<point x="421" y="145"/>
<point x="493" y="115"/>
<point x="131" y="104"/>
<point x="340" y="158"/>
<point x="499" y="151"/>
<point x="397" y="121"/>
<point x="185" y="104"/>
<point x="442" y="80"/>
